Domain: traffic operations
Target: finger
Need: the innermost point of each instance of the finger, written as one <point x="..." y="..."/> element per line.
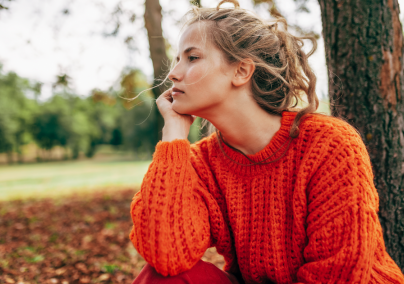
<point x="167" y="95"/>
<point x="164" y="97"/>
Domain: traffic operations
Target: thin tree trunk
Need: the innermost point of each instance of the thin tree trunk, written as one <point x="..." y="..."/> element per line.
<point x="153" y="18"/>
<point x="364" y="50"/>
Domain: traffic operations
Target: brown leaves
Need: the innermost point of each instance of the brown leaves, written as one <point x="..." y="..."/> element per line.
<point x="73" y="240"/>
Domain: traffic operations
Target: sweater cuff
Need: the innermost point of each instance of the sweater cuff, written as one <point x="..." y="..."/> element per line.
<point x="171" y="152"/>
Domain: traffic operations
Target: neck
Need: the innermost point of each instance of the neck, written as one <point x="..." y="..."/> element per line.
<point x="244" y="124"/>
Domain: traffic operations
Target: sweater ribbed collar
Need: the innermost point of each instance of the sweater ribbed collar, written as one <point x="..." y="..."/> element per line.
<point x="280" y="139"/>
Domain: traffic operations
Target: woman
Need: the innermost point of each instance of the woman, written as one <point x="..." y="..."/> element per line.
<point x="285" y="196"/>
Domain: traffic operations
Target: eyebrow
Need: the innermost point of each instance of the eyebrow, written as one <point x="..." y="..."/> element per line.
<point x="189" y="49"/>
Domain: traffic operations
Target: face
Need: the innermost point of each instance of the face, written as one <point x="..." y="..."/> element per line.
<point x="202" y="78"/>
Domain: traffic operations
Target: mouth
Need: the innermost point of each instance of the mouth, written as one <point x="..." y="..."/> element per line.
<point x="176" y="92"/>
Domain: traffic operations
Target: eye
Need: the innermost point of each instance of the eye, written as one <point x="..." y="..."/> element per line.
<point x="192" y="58"/>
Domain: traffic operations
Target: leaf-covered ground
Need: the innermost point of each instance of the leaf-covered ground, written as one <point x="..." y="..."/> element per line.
<point x="78" y="239"/>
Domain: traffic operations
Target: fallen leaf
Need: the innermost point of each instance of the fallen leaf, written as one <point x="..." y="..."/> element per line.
<point x="104" y="277"/>
<point x="82" y="267"/>
<point x="85" y="279"/>
<point x="9" y="280"/>
<point x="60" y="271"/>
<point x="19" y="226"/>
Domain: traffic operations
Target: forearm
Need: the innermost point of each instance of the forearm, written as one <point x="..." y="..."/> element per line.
<point x="171" y="222"/>
<point x="171" y="245"/>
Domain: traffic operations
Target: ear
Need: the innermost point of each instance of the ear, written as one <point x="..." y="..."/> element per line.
<point x="243" y="72"/>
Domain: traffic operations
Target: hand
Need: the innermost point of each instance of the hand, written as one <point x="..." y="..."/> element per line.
<point x="176" y="125"/>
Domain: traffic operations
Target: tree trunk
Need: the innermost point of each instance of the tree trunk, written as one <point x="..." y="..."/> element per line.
<point x="364" y="52"/>
<point x="152" y="19"/>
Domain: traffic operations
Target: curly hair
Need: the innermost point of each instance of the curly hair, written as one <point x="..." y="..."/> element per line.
<point x="282" y="73"/>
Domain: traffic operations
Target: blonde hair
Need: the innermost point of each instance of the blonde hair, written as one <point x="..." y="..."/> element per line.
<point x="282" y="72"/>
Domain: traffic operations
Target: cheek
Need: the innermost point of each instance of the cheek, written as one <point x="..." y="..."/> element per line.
<point x="205" y="78"/>
<point x="195" y="75"/>
<point x="205" y="88"/>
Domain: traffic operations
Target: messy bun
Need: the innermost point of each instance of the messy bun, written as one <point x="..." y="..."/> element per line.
<point x="282" y="73"/>
<point x="235" y="2"/>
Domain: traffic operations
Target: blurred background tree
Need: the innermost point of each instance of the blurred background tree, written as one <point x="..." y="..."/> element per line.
<point x="77" y="124"/>
<point x="50" y="125"/>
<point x="16" y="113"/>
<point x="158" y="54"/>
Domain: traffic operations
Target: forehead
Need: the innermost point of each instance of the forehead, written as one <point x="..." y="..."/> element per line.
<point x="194" y="35"/>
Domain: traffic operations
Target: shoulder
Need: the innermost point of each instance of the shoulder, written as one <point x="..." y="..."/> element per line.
<point x="331" y="137"/>
<point x="332" y="140"/>
<point x="327" y="128"/>
<point x="337" y="159"/>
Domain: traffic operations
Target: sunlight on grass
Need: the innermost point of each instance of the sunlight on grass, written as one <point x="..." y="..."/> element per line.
<point x="61" y="178"/>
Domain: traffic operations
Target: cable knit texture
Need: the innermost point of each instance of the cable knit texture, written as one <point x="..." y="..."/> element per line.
<point x="310" y="217"/>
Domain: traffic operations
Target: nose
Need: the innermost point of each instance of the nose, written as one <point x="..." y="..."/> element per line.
<point x="175" y="74"/>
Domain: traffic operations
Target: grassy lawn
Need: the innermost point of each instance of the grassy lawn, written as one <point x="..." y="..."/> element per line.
<point x="53" y="179"/>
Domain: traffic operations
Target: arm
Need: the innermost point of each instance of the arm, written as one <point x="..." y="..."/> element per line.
<point x="175" y="214"/>
<point x="343" y="228"/>
<point x="171" y="228"/>
<point x="171" y="221"/>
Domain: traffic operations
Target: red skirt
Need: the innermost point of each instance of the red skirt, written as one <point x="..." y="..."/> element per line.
<point x="202" y="273"/>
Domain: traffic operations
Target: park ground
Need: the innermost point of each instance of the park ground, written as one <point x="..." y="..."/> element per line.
<point x="69" y="222"/>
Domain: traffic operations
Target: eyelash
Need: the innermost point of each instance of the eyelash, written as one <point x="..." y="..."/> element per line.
<point x="190" y="58"/>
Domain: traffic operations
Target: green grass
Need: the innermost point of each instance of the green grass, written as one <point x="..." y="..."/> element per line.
<point x="54" y="179"/>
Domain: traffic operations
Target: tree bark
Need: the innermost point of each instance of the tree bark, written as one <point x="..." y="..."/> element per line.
<point x="157" y="46"/>
<point x="364" y="53"/>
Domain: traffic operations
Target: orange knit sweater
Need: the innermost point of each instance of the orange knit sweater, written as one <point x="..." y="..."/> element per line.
<point x="310" y="217"/>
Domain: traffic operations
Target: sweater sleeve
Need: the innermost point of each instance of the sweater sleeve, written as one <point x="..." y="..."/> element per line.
<point x="345" y="240"/>
<point x="171" y="228"/>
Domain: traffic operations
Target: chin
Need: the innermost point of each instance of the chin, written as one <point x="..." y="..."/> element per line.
<point x="181" y="108"/>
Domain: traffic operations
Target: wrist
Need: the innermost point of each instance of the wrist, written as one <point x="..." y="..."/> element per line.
<point x="171" y="133"/>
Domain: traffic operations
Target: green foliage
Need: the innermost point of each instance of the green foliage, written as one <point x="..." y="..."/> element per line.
<point x="16" y="112"/>
<point x="137" y="125"/>
<point x="50" y="126"/>
<point x="116" y="117"/>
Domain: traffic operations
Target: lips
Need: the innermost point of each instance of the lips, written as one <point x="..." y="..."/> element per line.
<point x="177" y="92"/>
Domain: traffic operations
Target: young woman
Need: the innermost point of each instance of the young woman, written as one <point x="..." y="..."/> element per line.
<point x="285" y="196"/>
